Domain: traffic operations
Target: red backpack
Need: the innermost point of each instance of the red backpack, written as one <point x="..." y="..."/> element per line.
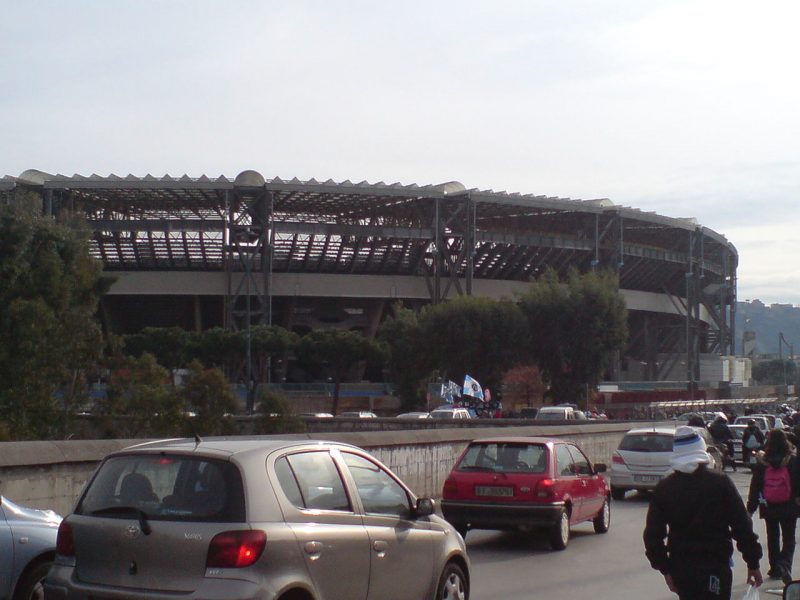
<point x="777" y="486"/>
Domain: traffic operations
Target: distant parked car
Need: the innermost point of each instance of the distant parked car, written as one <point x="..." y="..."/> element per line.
<point x="359" y="414"/>
<point x="450" y="413"/>
<point x="244" y="518"/>
<point x="27" y="549"/>
<point x="558" y="413"/>
<point x="526" y="483"/>
<point x="414" y="415"/>
<point x="317" y="415"/>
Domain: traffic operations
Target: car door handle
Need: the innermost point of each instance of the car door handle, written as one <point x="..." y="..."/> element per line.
<point x="313" y="548"/>
<point x="380" y="547"/>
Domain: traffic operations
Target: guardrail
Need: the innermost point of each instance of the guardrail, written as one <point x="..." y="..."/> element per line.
<point x="52" y="474"/>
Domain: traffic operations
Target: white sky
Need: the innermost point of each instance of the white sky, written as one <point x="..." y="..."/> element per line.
<point x="686" y="108"/>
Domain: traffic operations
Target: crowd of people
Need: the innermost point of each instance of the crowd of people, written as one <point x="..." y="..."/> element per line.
<point x="696" y="512"/>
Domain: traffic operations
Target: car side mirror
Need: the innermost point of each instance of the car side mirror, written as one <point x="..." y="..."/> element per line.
<point x="424" y="507"/>
<point x="792" y="591"/>
<point x="600" y="467"/>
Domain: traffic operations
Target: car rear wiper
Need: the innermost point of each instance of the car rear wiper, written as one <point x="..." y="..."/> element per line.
<point x="125" y="510"/>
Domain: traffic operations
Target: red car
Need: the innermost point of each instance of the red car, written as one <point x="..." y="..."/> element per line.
<point x="526" y="483"/>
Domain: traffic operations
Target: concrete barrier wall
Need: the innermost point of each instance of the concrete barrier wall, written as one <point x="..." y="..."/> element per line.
<point x="52" y="474"/>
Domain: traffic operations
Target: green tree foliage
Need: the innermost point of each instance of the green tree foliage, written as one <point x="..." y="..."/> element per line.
<point x="474" y="335"/>
<point x="276" y="414"/>
<point x="338" y="351"/>
<point x="266" y="342"/>
<point x="573" y="328"/>
<point x="140" y="400"/>
<point x="169" y="345"/>
<point x="49" y="337"/>
<point x="207" y="393"/>
<point x="772" y="372"/>
<point x="401" y="333"/>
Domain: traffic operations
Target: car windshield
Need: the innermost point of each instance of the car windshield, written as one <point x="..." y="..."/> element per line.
<point x="166" y="488"/>
<point x="504" y="457"/>
<point x="647" y="442"/>
<point x="442" y="414"/>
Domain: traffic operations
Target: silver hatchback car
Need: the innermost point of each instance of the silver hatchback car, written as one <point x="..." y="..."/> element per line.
<point x="254" y="518"/>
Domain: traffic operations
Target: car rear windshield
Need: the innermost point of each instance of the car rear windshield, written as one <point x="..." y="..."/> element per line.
<point x="166" y="487"/>
<point x="504" y="458"/>
<point x="647" y="442"/>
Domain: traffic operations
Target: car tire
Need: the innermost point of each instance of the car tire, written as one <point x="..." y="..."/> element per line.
<point x="30" y="585"/>
<point x="559" y="532"/>
<point x="618" y="493"/>
<point x="453" y="584"/>
<point x="603" y="519"/>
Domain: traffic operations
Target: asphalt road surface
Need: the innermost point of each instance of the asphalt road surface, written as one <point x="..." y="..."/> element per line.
<point x="609" y="566"/>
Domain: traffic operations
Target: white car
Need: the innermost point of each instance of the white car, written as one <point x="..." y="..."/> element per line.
<point x="450" y="413"/>
<point x="762" y="422"/>
<point x="414" y="415"/>
<point x="643" y="459"/>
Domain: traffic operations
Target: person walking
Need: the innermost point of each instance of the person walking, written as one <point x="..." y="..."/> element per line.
<point x="699" y="512"/>
<point x="723" y="438"/>
<point x="774" y="491"/>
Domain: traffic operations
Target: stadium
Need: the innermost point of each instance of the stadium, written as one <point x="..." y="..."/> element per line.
<point x="220" y="251"/>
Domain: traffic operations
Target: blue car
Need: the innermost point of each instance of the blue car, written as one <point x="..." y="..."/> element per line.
<point x="27" y="549"/>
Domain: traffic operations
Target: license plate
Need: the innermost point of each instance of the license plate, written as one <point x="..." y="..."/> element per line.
<point x="647" y="478"/>
<point x="494" y="490"/>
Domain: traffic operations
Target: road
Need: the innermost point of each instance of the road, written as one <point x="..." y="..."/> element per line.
<point x="610" y="566"/>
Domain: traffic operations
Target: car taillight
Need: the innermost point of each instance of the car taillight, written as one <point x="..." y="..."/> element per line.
<point x="545" y="488"/>
<point x="617" y="459"/>
<point x="450" y="488"/>
<point x="235" y="549"/>
<point x="65" y="543"/>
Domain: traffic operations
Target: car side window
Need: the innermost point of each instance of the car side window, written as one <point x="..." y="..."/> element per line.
<point x="564" y="463"/>
<point x="288" y="482"/>
<point x="318" y="480"/>
<point x="379" y="492"/>
<point x="582" y="466"/>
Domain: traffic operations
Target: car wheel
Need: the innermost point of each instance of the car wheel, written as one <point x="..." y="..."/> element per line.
<point x="603" y="519"/>
<point x="452" y="584"/>
<point x="559" y="533"/>
<point x="31" y="584"/>
<point x="618" y="493"/>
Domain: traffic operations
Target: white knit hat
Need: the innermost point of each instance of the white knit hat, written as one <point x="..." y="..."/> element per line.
<point x="688" y="450"/>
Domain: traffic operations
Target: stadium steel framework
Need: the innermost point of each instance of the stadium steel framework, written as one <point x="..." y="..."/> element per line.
<point x="287" y="251"/>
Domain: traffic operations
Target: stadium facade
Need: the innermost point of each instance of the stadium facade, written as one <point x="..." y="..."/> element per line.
<point x="204" y="252"/>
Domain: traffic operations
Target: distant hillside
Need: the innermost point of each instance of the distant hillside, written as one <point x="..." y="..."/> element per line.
<point x="768" y="322"/>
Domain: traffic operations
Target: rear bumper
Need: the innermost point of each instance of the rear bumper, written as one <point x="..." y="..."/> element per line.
<point x="61" y="584"/>
<point x="635" y="481"/>
<point x="490" y="515"/>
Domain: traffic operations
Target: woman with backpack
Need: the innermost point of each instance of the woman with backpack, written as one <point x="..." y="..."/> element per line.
<point x="774" y="490"/>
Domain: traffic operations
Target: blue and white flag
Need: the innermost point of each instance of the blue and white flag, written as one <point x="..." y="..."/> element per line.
<point x="450" y="391"/>
<point x="472" y="388"/>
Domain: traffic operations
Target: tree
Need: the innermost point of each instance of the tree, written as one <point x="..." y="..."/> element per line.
<point x="573" y="327"/>
<point x="49" y="336"/>
<point x="169" y="345"/>
<point x="402" y="334"/>
<point x="276" y="415"/>
<point x="338" y="351"/>
<point x="266" y="342"/>
<point x="775" y="372"/>
<point x="207" y="392"/>
<point x="474" y="335"/>
<point x="140" y="400"/>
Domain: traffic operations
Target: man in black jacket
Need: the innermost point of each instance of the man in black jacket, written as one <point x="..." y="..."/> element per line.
<point x="698" y="511"/>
